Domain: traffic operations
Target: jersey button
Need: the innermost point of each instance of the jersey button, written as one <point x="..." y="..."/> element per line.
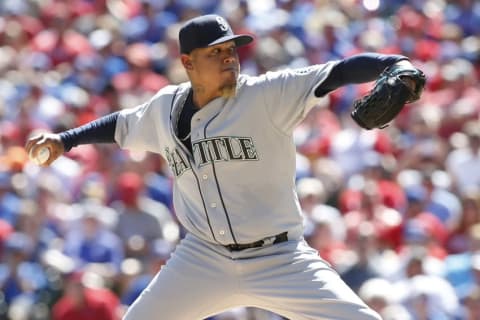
<point x="213" y="204"/>
<point x="204" y="177"/>
<point x="222" y="232"/>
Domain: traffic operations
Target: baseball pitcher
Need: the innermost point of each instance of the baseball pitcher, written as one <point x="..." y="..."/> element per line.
<point x="227" y="138"/>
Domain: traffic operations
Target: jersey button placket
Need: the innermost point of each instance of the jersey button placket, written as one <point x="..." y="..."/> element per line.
<point x="213" y="205"/>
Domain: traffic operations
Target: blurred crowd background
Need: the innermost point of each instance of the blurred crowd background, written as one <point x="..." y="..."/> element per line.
<point x="395" y="211"/>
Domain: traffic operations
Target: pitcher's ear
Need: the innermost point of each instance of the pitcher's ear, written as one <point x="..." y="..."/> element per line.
<point x="186" y="61"/>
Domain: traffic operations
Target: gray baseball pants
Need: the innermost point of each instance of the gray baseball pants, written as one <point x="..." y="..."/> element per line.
<point x="203" y="279"/>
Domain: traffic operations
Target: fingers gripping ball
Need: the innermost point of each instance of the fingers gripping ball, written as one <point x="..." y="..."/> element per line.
<point x="396" y="86"/>
<point x="41" y="157"/>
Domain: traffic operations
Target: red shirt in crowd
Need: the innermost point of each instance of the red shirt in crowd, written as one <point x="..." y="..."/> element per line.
<point x="97" y="304"/>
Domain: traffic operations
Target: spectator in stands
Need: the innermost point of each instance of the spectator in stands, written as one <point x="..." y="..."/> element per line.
<point x="91" y="244"/>
<point x="80" y="302"/>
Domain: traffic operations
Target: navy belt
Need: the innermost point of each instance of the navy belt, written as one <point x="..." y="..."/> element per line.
<point x="281" y="237"/>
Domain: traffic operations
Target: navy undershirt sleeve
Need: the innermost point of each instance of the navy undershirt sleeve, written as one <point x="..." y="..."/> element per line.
<point x="359" y="68"/>
<point x="101" y="130"/>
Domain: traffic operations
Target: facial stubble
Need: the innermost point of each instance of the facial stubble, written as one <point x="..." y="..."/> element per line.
<point x="229" y="90"/>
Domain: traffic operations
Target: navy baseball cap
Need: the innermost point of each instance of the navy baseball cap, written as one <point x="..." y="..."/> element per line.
<point x="208" y="30"/>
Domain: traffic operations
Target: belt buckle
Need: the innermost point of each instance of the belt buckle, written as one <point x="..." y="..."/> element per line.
<point x="268" y="241"/>
<point x="258" y="244"/>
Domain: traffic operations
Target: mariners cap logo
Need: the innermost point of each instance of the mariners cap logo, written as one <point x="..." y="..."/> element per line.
<point x="222" y="24"/>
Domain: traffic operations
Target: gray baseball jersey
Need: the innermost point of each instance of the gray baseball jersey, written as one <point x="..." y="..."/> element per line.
<point x="237" y="186"/>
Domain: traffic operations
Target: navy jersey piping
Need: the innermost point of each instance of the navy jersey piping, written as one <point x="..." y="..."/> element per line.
<point x="203" y="202"/>
<point x="216" y="181"/>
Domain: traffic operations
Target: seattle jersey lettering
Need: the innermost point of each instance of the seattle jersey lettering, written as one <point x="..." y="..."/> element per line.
<point x="213" y="150"/>
<point x="177" y="163"/>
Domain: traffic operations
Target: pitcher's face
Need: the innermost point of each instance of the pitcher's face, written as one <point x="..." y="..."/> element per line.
<point x="216" y="68"/>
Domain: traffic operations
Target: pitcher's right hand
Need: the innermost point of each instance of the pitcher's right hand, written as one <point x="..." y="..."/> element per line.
<point x="51" y="141"/>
